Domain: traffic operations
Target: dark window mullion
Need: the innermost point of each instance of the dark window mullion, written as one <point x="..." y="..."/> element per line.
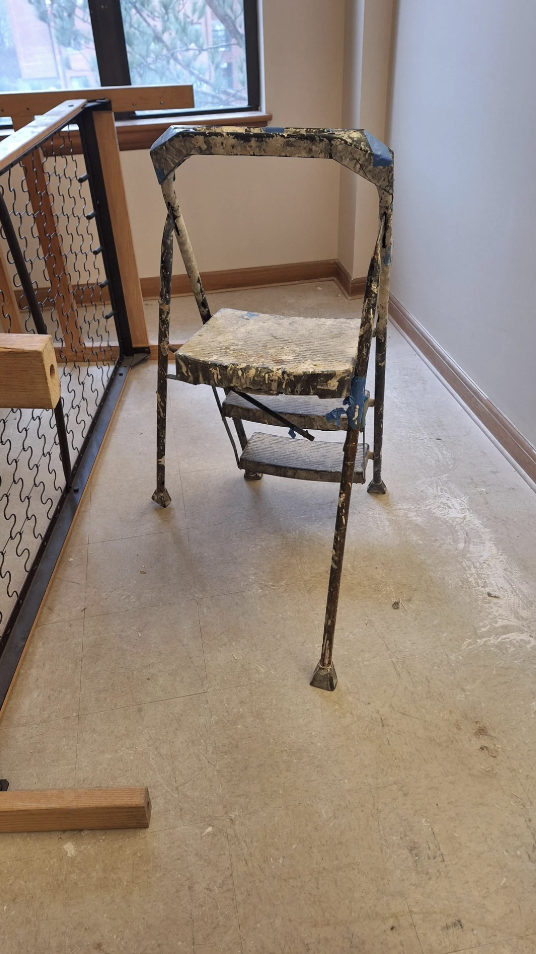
<point x="110" y="44"/>
<point x="251" y="34"/>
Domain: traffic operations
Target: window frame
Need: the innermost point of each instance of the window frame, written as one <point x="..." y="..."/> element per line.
<point x="112" y="58"/>
<point x="138" y="130"/>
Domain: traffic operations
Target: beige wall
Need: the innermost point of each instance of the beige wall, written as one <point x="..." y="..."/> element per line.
<point x="245" y="212"/>
<point x="464" y="134"/>
<point x="462" y="85"/>
<point x="366" y="85"/>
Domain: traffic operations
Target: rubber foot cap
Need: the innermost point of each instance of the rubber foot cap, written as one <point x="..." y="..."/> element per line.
<point x="162" y="498"/>
<point x="376" y="488"/>
<point x="252" y="476"/>
<point x="325" y="677"/>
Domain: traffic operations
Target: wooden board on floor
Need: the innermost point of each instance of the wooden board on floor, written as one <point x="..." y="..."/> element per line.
<point x="75" y="809"/>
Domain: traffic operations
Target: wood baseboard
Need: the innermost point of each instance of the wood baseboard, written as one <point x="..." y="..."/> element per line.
<point x="504" y="432"/>
<point x="106" y="354"/>
<point x="352" y="287"/>
<point x="263" y="276"/>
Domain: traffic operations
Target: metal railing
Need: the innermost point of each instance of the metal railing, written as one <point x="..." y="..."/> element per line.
<point x="59" y="274"/>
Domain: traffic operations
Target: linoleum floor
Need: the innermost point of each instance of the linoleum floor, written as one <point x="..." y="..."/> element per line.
<point x="395" y="815"/>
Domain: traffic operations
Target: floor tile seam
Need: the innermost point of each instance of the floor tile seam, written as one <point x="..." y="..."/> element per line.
<point x="262" y="524"/>
<point x="486" y="944"/>
<point x="235" y="896"/>
<point x="200" y="635"/>
<point x="290" y="802"/>
<point x="124" y="669"/>
<point x="16" y="726"/>
<point x="366" y="915"/>
<point x="147" y="533"/>
<point x="79" y="698"/>
<point x="182" y="489"/>
<point x="173" y="604"/>
<point x="136" y="705"/>
<point x="153" y="600"/>
<point x="414" y="926"/>
<point x="255" y="683"/>
<point x="227" y="591"/>
<point x="211" y="714"/>
<point x="58" y="578"/>
<point x="133" y="535"/>
<point x="395" y="781"/>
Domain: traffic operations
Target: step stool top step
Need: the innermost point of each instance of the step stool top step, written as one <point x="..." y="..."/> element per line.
<point x="272" y="354"/>
<point x="300" y="459"/>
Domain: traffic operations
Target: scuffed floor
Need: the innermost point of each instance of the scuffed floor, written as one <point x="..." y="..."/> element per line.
<point x="395" y="815"/>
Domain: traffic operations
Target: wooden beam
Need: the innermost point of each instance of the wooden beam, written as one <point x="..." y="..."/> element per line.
<point x="28" y="371"/>
<point x="92" y="354"/>
<point x="10" y="317"/>
<point x="124" y="99"/>
<point x="17" y="144"/>
<point x="117" y="202"/>
<point x="75" y="809"/>
<point x="140" y="133"/>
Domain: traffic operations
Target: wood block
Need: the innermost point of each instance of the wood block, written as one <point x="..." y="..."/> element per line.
<point x="28" y="371"/>
<point x="75" y="809"/>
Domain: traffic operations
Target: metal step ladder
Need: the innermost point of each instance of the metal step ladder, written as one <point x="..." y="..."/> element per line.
<point x="302" y="373"/>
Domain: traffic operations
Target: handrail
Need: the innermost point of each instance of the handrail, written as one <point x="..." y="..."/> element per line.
<point x="19" y="143"/>
<point x="124" y="99"/>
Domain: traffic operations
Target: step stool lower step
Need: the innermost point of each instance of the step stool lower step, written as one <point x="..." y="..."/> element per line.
<point x="300" y="459"/>
<point x="298" y="409"/>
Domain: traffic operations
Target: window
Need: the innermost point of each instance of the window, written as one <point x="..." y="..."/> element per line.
<point x="83" y="44"/>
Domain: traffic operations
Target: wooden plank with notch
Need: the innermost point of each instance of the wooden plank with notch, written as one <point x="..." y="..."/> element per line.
<point x="18" y="143"/>
<point x="28" y="371"/>
<point x="51" y="245"/>
<point x="75" y="809"/>
<point x="10" y="317"/>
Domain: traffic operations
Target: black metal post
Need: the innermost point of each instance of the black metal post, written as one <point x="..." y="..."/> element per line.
<point x="251" y="36"/>
<point x="110" y="43"/>
<point x="88" y="135"/>
<point x="377" y="485"/>
<point x="241" y="434"/>
<point x="324" y="676"/>
<point x="161" y="496"/>
<point x="40" y="327"/>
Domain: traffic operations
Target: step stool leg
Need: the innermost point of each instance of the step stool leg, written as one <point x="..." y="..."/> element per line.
<point x="377" y="485"/>
<point x="161" y="495"/>
<point x="243" y="441"/>
<point x="325" y="676"/>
